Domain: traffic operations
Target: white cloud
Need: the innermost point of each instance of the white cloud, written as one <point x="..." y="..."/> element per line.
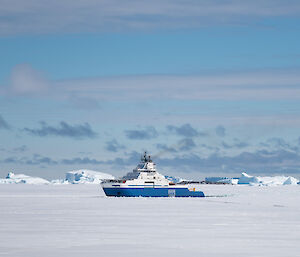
<point x="270" y="85"/>
<point x="255" y="85"/>
<point x="41" y="16"/>
<point x="26" y="80"/>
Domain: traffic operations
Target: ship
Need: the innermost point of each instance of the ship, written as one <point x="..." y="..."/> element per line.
<point x="145" y="181"/>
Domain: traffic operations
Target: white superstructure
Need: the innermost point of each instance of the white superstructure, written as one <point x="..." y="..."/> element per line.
<point x="145" y="174"/>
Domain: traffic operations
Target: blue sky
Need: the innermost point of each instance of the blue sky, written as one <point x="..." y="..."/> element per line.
<point x="207" y="88"/>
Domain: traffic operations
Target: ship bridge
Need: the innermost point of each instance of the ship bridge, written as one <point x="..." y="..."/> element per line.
<point x="146" y="164"/>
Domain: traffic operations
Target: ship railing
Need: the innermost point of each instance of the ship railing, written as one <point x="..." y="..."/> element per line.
<point x="112" y="180"/>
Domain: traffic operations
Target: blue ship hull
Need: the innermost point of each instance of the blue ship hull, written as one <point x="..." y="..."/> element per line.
<point x="152" y="192"/>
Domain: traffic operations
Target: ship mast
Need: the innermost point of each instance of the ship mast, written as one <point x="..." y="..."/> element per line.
<point x="144" y="158"/>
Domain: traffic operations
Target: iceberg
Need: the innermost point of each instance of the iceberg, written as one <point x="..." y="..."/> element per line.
<point x="59" y="182"/>
<point x="221" y="180"/>
<point x="84" y="177"/>
<point x="247" y="179"/>
<point x="175" y="179"/>
<point x="72" y="177"/>
<point x="12" y="178"/>
<point x="267" y="181"/>
<point x="291" y="181"/>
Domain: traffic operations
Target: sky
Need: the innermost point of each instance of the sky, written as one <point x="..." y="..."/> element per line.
<point x="207" y="88"/>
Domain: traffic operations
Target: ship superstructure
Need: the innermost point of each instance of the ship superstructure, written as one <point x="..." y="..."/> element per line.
<point x="145" y="181"/>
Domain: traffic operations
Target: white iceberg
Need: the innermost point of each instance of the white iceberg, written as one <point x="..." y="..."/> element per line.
<point x="223" y="180"/>
<point x="267" y="181"/>
<point x="59" y="182"/>
<point x="12" y="178"/>
<point x="175" y="179"/>
<point x="247" y="179"/>
<point x="291" y="181"/>
<point x="85" y="177"/>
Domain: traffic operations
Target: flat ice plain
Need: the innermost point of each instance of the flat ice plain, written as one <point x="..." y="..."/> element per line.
<point x="78" y="220"/>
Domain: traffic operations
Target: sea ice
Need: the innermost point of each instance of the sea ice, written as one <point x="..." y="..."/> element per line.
<point x="78" y="220"/>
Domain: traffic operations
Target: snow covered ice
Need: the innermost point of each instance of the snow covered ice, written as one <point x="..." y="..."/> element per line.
<point x="78" y="220"/>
